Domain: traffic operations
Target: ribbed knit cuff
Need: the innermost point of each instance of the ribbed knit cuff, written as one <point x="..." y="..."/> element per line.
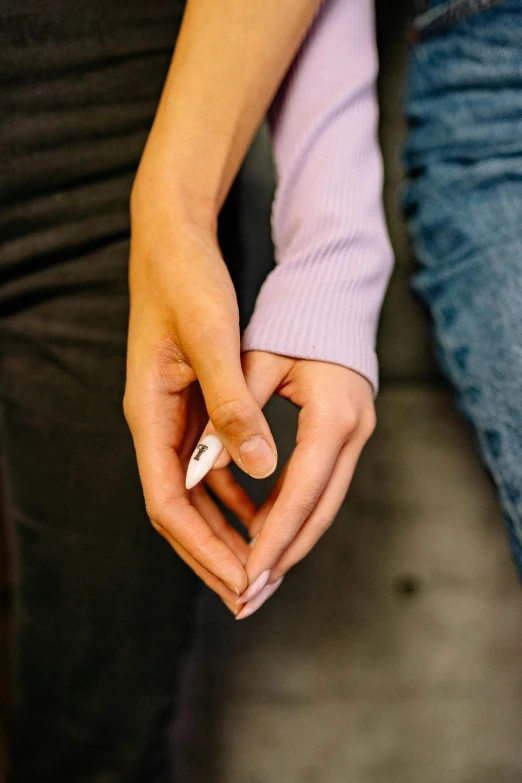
<point x="309" y="316"/>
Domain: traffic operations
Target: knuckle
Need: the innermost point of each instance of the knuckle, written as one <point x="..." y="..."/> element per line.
<point x="348" y="421"/>
<point x="155" y="522"/>
<point x="354" y="420"/>
<point x="155" y="516"/>
<point x="368" y="423"/>
<point x="162" y="514"/>
<point x="227" y="414"/>
<point x="341" y="418"/>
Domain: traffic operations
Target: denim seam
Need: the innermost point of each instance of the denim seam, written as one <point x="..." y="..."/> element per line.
<point x="494" y="465"/>
<point x="434" y="19"/>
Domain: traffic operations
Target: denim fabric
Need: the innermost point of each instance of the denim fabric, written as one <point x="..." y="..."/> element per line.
<point x="434" y="15"/>
<point x="463" y="202"/>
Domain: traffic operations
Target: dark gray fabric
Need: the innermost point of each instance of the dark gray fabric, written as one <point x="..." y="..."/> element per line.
<point x="102" y="605"/>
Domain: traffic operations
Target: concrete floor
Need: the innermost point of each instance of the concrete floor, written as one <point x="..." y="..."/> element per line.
<point x="392" y="654"/>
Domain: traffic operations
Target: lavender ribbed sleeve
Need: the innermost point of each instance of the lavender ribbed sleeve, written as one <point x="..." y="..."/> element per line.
<point x="333" y="256"/>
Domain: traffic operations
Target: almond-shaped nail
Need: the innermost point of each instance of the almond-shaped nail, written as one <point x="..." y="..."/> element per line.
<point x="255" y="588"/>
<point x="255" y="603"/>
<point x="202" y="460"/>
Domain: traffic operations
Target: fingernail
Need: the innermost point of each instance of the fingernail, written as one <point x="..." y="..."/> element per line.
<point x="256" y="587"/>
<point x="257" y="457"/>
<point x="253" y="541"/>
<point x="255" y="603"/>
<point x="203" y="458"/>
<point x="232" y="587"/>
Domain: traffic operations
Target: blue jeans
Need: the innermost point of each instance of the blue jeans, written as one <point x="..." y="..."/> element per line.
<point x="463" y="202"/>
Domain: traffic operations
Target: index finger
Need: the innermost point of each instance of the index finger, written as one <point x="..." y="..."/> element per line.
<point x="166" y="498"/>
<point x="318" y="443"/>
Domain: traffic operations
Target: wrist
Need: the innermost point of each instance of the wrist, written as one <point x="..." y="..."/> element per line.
<point x="161" y="191"/>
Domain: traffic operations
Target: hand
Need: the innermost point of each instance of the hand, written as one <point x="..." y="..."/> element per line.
<point x="336" y="419"/>
<point x="184" y="360"/>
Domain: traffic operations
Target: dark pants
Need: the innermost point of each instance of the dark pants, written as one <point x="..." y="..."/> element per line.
<point x="103" y="606"/>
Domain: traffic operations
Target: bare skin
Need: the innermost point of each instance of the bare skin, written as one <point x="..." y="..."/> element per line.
<point x="185" y="372"/>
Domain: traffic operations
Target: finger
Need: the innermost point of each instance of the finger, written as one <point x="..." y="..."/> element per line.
<point x="320" y="437"/>
<point x="231" y="607"/>
<point x="203" y="503"/>
<point x="232" y="495"/>
<point x="324" y="513"/>
<point x="156" y="435"/>
<point x="236" y="415"/>
<point x="224" y="458"/>
<point x="257" y="602"/>
<point x="262" y="373"/>
<point x="227" y="595"/>
<point x="263" y="511"/>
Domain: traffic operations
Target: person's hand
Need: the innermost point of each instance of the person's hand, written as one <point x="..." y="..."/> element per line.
<point x="183" y="366"/>
<point x="336" y="419"/>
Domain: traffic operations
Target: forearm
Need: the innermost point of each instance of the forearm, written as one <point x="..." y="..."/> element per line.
<point x="229" y="59"/>
<point x="323" y="299"/>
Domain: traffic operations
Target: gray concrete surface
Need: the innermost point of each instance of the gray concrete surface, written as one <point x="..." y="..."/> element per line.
<point x="392" y="654"/>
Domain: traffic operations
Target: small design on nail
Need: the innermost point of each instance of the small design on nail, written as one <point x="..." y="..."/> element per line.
<point x="201" y="449"/>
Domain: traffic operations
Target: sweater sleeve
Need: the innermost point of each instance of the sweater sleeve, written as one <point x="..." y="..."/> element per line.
<point x="333" y="256"/>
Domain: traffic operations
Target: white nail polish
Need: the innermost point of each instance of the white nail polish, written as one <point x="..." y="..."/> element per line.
<point x="255" y="603"/>
<point x="255" y="588"/>
<point x="203" y="458"/>
<point x="253" y="541"/>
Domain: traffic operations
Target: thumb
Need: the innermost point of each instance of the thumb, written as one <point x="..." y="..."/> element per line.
<point x="263" y="372"/>
<point x="235" y="417"/>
